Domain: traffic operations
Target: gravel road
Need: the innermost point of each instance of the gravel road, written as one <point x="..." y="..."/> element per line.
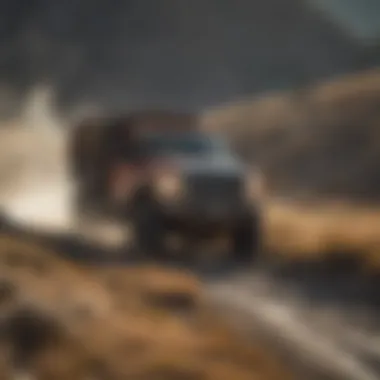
<point x="324" y="335"/>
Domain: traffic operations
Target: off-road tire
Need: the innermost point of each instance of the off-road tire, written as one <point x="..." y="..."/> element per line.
<point x="246" y="239"/>
<point x="149" y="231"/>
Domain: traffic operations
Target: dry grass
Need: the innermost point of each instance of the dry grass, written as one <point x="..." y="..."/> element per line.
<point x="323" y="230"/>
<point x="142" y="323"/>
<point x="149" y="286"/>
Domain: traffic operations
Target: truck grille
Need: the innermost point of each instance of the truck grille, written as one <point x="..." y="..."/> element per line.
<point x="225" y="190"/>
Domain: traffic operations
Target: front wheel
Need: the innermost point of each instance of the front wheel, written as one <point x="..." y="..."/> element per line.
<point x="246" y="239"/>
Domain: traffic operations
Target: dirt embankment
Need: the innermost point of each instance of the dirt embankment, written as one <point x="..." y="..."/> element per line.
<point x="63" y="321"/>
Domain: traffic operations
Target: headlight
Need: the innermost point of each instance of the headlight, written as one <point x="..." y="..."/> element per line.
<point x="169" y="186"/>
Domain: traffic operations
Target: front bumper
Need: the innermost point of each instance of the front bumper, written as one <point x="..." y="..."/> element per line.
<point x="207" y="214"/>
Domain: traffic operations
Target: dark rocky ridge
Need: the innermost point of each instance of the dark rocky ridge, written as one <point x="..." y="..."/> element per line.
<point x="171" y="53"/>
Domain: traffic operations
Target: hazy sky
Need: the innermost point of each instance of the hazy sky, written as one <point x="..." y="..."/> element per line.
<point x="360" y="17"/>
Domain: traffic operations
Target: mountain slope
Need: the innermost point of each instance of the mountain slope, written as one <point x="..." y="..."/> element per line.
<point x="179" y="53"/>
<point x="322" y="140"/>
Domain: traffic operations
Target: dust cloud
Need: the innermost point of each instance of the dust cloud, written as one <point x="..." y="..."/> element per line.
<point x="35" y="186"/>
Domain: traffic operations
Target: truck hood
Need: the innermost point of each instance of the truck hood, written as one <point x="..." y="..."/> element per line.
<point x="210" y="164"/>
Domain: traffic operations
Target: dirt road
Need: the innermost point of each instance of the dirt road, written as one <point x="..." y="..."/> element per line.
<point x="324" y="338"/>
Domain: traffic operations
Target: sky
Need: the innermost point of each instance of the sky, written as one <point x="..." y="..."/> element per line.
<point x="359" y="17"/>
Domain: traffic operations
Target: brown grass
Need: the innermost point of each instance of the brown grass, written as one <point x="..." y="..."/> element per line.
<point x="323" y="230"/>
<point x="142" y="323"/>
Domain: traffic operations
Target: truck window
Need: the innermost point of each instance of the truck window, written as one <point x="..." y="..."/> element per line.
<point x="181" y="144"/>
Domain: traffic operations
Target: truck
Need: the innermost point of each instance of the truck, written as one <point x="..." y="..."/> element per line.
<point x="165" y="176"/>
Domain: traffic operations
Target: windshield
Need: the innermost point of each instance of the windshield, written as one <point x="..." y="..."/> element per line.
<point x="184" y="143"/>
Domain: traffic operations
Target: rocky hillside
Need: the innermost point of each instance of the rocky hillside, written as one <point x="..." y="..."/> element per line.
<point x="178" y="53"/>
<point x="321" y="140"/>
